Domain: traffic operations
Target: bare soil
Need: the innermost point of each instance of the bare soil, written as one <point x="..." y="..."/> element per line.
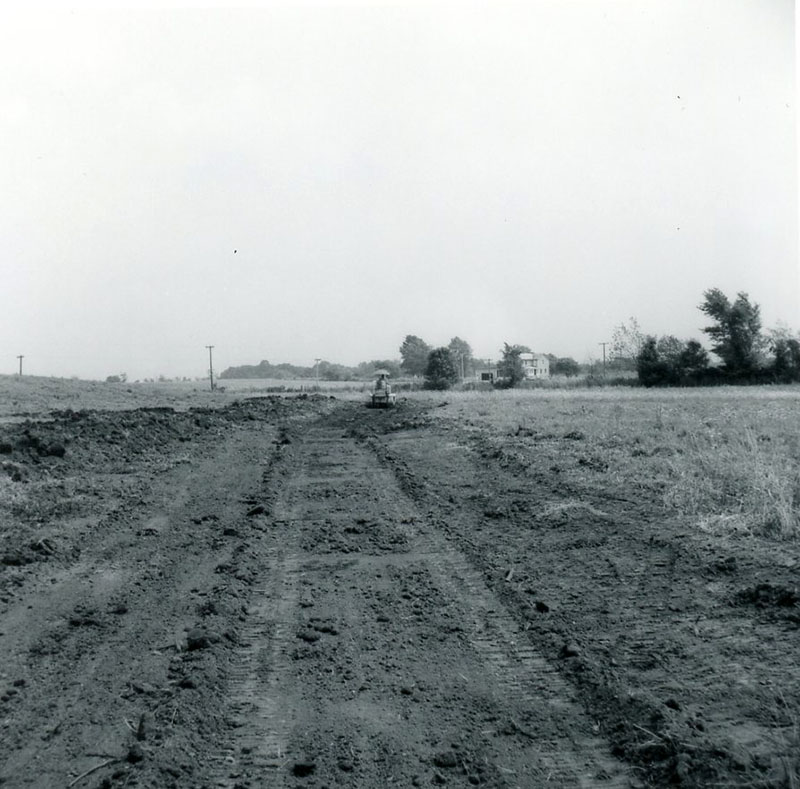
<point x="301" y="592"/>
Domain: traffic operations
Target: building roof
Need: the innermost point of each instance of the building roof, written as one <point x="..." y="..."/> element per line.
<point x="532" y="356"/>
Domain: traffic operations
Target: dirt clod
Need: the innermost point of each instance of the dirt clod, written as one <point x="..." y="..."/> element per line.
<point x="446" y="760"/>
<point x="198" y="638"/>
<point x="570" y="650"/>
<point x="304" y="768"/>
<point x="766" y="595"/>
<point x="55" y="450"/>
<point x="135" y="754"/>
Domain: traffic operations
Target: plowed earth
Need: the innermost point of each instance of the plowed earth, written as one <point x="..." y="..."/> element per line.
<point x="302" y="592"/>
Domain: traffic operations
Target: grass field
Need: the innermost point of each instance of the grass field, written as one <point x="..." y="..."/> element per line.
<point x="36" y="395"/>
<point x="727" y="459"/>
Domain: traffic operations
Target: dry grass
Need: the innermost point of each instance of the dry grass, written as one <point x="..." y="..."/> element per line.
<point x="727" y="459"/>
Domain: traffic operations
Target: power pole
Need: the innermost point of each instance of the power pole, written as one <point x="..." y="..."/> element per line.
<point x="210" y="366"/>
<point x="20" y="357"/>
<point x="316" y="370"/>
<point x="604" y="355"/>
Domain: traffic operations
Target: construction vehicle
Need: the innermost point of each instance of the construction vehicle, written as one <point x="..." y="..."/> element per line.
<point x="382" y="395"/>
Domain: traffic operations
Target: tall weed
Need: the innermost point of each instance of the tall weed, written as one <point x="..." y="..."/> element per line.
<point x="738" y="482"/>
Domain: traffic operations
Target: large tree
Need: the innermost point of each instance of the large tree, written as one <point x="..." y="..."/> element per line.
<point x="785" y="348"/>
<point x="509" y="369"/>
<point x="414" y="354"/>
<point x="440" y="371"/>
<point x="462" y="355"/>
<point x="650" y="367"/>
<point x="666" y="360"/>
<point x="564" y="365"/>
<point x="693" y="360"/>
<point x="735" y="332"/>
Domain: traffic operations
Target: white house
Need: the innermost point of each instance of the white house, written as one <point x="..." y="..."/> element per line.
<point x="535" y="365"/>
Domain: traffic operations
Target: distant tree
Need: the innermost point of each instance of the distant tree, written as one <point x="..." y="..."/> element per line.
<point x="786" y="364"/>
<point x="334" y="372"/>
<point x="785" y="347"/>
<point x="666" y="360"/>
<point x="414" y="354"/>
<point x="461" y="352"/>
<point x="564" y="365"/>
<point x="367" y="369"/>
<point x="736" y="331"/>
<point x="670" y="349"/>
<point x="627" y="340"/>
<point x="440" y="371"/>
<point x="509" y="369"/>
<point x="693" y="361"/>
<point x="650" y="367"/>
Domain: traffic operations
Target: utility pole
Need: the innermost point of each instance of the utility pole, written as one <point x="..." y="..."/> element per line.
<point x="20" y="357"/>
<point x="604" y="355"/>
<point x="316" y="370"/>
<point x="210" y="367"/>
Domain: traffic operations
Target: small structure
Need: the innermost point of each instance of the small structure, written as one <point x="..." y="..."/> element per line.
<point x="535" y="365"/>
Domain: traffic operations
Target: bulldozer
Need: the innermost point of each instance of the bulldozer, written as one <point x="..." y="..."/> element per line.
<point x="382" y="395"/>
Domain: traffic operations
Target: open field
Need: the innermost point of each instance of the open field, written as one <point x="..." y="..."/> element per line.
<point x="511" y="589"/>
<point x="727" y="459"/>
<point x="36" y="396"/>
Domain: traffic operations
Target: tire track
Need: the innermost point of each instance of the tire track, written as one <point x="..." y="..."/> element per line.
<point x="341" y="699"/>
<point x="258" y="680"/>
<point x="260" y="690"/>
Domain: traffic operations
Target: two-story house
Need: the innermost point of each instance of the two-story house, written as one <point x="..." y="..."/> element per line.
<point x="535" y="365"/>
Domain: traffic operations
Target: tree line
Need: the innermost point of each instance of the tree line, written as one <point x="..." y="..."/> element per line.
<point x="746" y="353"/>
<point x="444" y="366"/>
<point x="324" y="370"/>
<point x="439" y="367"/>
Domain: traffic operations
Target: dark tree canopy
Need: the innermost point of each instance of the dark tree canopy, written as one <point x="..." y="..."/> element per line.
<point x="786" y="362"/>
<point x="693" y="359"/>
<point x="509" y="369"/>
<point x="564" y="365"/>
<point x="667" y="361"/>
<point x="736" y="331"/>
<point x="414" y="354"/>
<point x="440" y="371"/>
<point x="650" y="367"/>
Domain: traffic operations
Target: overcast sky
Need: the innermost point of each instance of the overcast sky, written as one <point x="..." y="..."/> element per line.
<point x="319" y="180"/>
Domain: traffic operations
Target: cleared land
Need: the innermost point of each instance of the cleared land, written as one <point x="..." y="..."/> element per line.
<point x="538" y="589"/>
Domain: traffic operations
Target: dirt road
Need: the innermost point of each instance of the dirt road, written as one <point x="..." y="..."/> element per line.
<point x="305" y="593"/>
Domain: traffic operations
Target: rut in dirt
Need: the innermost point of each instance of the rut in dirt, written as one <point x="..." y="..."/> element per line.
<point x="375" y="653"/>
